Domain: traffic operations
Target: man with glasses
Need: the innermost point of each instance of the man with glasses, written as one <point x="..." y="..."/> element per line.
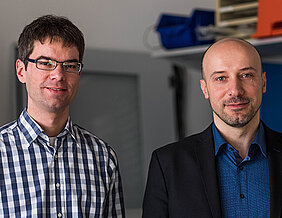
<point x="50" y="167"/>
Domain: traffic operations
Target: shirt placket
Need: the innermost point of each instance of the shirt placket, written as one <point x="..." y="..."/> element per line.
<point x="243" y="183"/>
<point x="55" y="185"/>
<point x="58" y="181"/>
<point x="242" y="180"/>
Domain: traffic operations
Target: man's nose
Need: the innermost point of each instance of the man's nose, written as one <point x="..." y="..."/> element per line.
<point x="58" y="73"/>
<point x="235" y="87"/>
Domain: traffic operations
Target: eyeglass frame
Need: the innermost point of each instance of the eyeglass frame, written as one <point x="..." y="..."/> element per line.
<point x="55" y="66"/>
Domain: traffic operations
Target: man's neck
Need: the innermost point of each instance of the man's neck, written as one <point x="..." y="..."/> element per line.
<point x="240" y="138"/>
<point x="51" y="123"/>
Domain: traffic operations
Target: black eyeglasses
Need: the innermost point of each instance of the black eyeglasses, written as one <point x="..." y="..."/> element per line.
<point x="47" y="64"/>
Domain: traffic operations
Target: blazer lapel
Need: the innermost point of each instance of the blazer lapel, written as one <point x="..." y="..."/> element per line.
<point x="205" y="153"/>
<point x="274" y="141"/>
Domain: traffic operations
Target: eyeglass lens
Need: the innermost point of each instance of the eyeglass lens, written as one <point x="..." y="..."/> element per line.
<point x="44" y="64"/>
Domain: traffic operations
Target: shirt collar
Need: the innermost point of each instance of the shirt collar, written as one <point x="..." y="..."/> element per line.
<point x="219" y="141"/>
<point x="31" y="129"/>
<point x="68" y="129"/>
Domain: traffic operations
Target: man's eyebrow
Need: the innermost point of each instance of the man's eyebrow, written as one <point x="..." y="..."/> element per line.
<point x="49" y="58"/>
<point x="248" y="68"/>
<point x="43" y="57"/>
<point x="242" y="69"/>
<point x="216" y="72"/>
<point x="71" y="60"/>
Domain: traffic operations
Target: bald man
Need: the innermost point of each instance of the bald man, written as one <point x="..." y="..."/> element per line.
<point x="234" y="167"/>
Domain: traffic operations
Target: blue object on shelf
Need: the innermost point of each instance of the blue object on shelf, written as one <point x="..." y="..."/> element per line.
<point x="178" y="31"/>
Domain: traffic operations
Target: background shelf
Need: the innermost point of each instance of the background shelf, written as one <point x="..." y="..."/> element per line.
<point x="238" y="7"/>
<point x="241" y="17"/>
<point x="269" y="48"/>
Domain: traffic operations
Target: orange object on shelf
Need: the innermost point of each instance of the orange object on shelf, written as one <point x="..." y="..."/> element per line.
<point x="269" y="18"/>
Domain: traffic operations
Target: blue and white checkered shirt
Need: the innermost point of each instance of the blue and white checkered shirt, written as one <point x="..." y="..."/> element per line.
<point x="77" y="177"/>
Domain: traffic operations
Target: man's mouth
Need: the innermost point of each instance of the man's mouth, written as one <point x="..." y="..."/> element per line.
<point x="56" y="89"/>
<point x="237" y="103"/>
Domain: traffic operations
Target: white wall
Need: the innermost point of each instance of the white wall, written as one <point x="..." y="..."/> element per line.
<point x="198" y="112"/>
<point x="109" y="24"/>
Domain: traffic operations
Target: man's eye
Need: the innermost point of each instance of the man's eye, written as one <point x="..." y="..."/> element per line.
<point x="70" y="66"/>
<point x="221" y="78"/>
<point x="45" y="63"/>
<point x="246" y="75"/>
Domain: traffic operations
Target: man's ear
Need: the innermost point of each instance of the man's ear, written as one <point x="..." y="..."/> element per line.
<point x="264" y="82"/>
<point x="204" y="88"/>
<point x="21" y="72"/>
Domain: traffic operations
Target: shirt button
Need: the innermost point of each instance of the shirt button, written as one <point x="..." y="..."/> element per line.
<point x="58" y="185"/>
<point x="56" y="156"/>
<point x="240" y="168"/>
<point x="60" y="215"/>
<point x="242" y="196"/>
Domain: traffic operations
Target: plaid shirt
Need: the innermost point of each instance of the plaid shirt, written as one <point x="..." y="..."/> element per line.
<point x="77" y="177"/>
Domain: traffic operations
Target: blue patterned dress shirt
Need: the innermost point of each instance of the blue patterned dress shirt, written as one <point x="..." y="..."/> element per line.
<point x="243" y="183"/>
<point x="76" y="177"/>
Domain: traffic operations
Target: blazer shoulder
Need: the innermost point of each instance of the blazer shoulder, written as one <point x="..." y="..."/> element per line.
<point x="273" y="138"/>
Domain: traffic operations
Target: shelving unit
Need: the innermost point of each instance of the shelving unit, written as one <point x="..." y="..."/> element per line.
<point x="238" y="7"/>
<point x="269" y="48"/>
<point x="238" y="18"/>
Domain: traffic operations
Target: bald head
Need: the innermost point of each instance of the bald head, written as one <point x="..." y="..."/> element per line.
<point x="229" y="47"/>
<point x="233" y="82"/>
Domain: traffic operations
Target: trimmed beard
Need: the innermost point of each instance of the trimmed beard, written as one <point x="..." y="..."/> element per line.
<point x="238" y="122"/>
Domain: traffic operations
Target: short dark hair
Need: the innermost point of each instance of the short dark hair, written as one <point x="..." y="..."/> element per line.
<point x="54" y="28"/>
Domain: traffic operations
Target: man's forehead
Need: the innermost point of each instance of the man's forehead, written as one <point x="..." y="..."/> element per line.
<point x="58" y="43"/>
<point x="231" y="52"/>
<point x="54" y="50"/>
<point x="234" y="44"/>
<point x="53" y="40"/>
<point x="230" y="45"/>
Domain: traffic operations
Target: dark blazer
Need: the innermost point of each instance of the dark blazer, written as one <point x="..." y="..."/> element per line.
<point x="182" y="178"/>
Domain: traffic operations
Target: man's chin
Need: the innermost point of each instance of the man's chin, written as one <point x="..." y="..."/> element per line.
<point x="237" y="124"/>
<point x="236" y="121"/>
<point x="56" y="108"/>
